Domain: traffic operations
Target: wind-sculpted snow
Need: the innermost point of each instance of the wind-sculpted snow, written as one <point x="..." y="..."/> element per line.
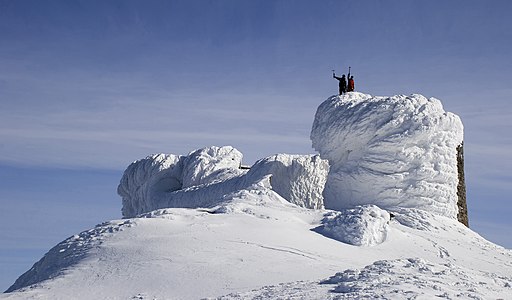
<point x="394" y="152"/>
<point x="211" y="164"/>
<point x="207" y="175"/>
<point x="298" y="178"/>
<point x="361" y="226"/>
<point x="145" y="180"/>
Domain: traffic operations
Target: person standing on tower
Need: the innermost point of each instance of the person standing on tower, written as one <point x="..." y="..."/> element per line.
<point x="342" y="83"/>
<point x="351" y="86"/>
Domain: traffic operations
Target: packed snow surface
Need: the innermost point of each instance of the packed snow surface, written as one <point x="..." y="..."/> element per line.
<point x="199" y="226"/>
<point x="257" y="245"/>
<point x="398" y="151"/>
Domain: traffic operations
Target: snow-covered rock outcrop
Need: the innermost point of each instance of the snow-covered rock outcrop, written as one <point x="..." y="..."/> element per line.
<point x="207" y="176"/>
<point x="392" y="152"/>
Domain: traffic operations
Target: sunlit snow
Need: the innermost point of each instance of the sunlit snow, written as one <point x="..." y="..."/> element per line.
<point x="204" y="226"/>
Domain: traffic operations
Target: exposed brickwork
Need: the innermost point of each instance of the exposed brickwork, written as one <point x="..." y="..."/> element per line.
<point x="462" y="216"/>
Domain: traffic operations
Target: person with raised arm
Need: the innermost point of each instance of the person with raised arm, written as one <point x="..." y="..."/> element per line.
<point x="342" y="83"/>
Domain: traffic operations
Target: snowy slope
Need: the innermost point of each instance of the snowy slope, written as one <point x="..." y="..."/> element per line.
<point x="259" y="240"/>
<point x="198" y="226"/>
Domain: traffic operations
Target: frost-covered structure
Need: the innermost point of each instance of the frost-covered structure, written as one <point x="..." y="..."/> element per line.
<point x="208" y="176"/>
<point x="298" y="178"/>
<point x="210" y="165"/>
<point x="392" y="152"/>
<point x="145" y="181"/>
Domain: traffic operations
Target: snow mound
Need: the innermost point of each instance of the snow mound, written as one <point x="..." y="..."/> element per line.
<point x="410" y="278"/>
<point x="417" y="219"/>
<point x="298" y="178"/>
<point x="393" y="152"/>
<point x="258" y="200"/>
<point x="68" y="253"/>
<point x="207" y="176"/>
<point x="415" y="277"/>
<point x="362" y="226"/>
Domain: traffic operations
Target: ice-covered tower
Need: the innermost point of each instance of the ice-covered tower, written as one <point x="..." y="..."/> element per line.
<point x="399" y="151"/>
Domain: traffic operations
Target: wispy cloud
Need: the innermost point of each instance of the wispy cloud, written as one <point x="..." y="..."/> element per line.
<point x="107" y="122"/>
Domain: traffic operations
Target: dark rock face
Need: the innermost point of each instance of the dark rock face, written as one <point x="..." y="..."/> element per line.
<point x="462" y="215"/>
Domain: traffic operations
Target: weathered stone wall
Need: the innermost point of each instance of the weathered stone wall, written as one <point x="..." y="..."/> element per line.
<point x="462" y="215"/>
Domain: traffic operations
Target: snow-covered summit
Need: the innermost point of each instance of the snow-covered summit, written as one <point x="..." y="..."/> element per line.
<point x="394" y="152"/>
<point x="200" y="225"/>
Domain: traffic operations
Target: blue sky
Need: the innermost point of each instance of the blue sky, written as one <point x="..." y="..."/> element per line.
<point x="86" y="87"/>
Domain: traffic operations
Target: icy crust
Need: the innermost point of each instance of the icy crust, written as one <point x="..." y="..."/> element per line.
<point x="361" y="226"/>
<point x="205" y="176"/>
<point x="393" y="152"/>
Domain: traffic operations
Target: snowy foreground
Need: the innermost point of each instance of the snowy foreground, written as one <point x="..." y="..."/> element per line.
<point x="199" y="226"/>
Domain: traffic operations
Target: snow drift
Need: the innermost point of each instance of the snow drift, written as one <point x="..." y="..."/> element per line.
<point x="392" y="152"/>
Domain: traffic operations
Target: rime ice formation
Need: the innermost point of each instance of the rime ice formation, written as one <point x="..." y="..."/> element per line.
<point x="365" y="225"/>
<point x="148" y="179"/>
<point x="398" y="151"/>
<point x="206" y="176"/>
<point x="394" y="152"/>
<point x="298" y="178"/>
<point x="211" y="164"/>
